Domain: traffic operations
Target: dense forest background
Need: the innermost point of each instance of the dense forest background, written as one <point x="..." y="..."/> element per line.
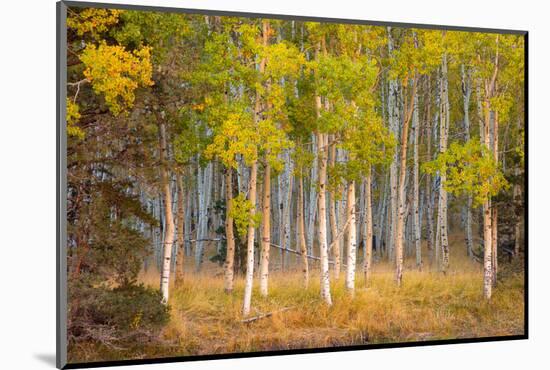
<point x="289" y="184"/>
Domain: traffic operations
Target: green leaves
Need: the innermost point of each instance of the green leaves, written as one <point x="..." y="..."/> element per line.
<point x="237" y="134"/>
<point x="470" y="169"/>
<point x="369" y="143"/>
<point x="159" y="30"/>
<point x="284" y="61"/>
<point x="240" y="211"/>
<point x="417" y="51"/>
<point x="341" y="77"/>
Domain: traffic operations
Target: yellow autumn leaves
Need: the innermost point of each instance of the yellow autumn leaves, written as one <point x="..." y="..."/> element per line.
<point x="73" y="115"/>
<point x="116" y="73"/>
<point x="92" y="20"/>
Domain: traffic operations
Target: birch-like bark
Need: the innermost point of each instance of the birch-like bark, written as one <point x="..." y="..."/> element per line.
<point x="393" y="116"/>
<point x="367" y="265"/>
<point x="352" y="239"/>
<point x="322" y="148"/>
<point x="323" y="247"/>
<point x="250" y="241"/>
<point x="408" y="109"/>
<point x="169" y="222"/>
<point x="430" y="186"/>
<point x="280" y="218"/>
<point x="301" y="231"/>
<point x="205" y="192"/>
<point x="285" y="194"/>
<point x="438" y="233"/>
<point x="487" y="255"/>
<point x="360" y="222"/>
<point x="181" y="236"/>
<point x="229" y="263"/>
<point x="188" y="218"/>
<point x="312" y="196"/>
<point x="487" y="228"/>
<point x="266" y="231"/>
<point x="494" y="209"/>
<point x="381" y="217"/>
<point x="252" y="192"/>
<point x="159" y="246"/>
<point x="466" y="94"/>
<point x="443" y="133"/>
<point x="287" y="214"/>
<point x="489" y="248"/>
<point x="333" y="224"/>
<point x="416" y="226"/>
<point x="342" y="208"/>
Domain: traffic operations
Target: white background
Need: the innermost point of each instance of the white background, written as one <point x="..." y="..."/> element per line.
<point x="27" y="184"/>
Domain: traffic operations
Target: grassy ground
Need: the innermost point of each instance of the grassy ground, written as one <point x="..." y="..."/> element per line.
<point x="429" y="305"/>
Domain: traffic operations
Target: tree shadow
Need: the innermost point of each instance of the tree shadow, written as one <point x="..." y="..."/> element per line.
<point x="47" y="358"/>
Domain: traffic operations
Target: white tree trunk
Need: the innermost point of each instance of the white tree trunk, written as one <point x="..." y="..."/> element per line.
<point x="250" y="242"/>
<point x="229" y="233"/>
<point x="181" y="235"/>
<point x="393" y="117"/>
<point x="341" y="207"/>
<point x="416" y="226"/>
<point x="169" y="222"/>
<point x="494" y="209"/>
<point x="187" y="223"/>
<point x="487" y="227"/>
<point x="205" y="192"/>
<point x="312" y="196"/>
<point x="466" y="94"/>
<point x="249" y="277"/>
<point x="323" y="247"/>
<point x="333" y="223"/>
<point x="487" y="255"/>
<point x="266" y="231"/>
<point x="287" y="206"/>
<point x="401" y="189"/>
<point x="368" y="224"/>
<point x="352" y="241"/>
<point x="301" y="232"/>
<point x="444" y="131"/>
<point x="382" y="226"/>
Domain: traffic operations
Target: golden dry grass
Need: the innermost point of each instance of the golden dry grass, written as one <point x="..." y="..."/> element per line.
<point x="429" y="305"/>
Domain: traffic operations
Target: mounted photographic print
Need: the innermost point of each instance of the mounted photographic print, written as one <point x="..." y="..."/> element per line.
<point x="234" y="184"/>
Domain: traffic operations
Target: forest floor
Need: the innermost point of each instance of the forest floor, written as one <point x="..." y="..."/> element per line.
<point x="428" y="306"/>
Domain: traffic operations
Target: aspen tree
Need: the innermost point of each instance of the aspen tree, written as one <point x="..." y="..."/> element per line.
<point x="415" y="211"/>
<point x="466" y="94"/>
<point x="412" y="59"/>
<point x="332" y="215"/>
<point x="443" y="133"/>
<point x="169" y="234"/>
<point x="180" y="231"/>
<point x="322" y="150"/>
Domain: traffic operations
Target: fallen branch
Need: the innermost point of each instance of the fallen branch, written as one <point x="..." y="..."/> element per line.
<point x="264" y="315"/>
<point x="294" y="251"/>
<point x="300" y="253"/>
<point x="342" y="230"/>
